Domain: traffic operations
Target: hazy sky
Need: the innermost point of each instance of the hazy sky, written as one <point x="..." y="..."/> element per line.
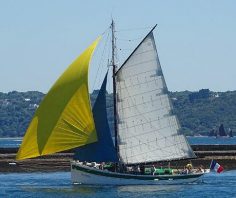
<point x="196" y="40"/>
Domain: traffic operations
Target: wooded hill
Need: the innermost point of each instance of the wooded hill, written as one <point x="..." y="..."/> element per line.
<point x="198" y="112"/>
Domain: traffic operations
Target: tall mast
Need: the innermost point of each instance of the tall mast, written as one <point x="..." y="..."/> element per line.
<point x="114" y="85"/>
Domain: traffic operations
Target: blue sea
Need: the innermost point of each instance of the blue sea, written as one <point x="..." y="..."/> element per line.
<point x="15" y="142"/>
<point x="10" y="142"/>
<point x="59" y="184"/>
<point x="44" y="185"/>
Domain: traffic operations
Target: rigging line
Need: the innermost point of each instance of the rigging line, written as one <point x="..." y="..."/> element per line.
<point x="109" y="82"/>
<point x="133" y="29"/>
<point x="99" y="65"/>
<point x="108" y="55"/>
<point x="135" y="39"/>
<point x="105" y="31"/>
<point x="125" y="49"/>
<point x="101" y="60"/>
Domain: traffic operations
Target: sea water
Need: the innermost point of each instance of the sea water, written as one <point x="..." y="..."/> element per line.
<point x="58" y="185"/>
<point x="203" y="140"/>
<point x="10" y="142"/>
<point x="15" y="142"/>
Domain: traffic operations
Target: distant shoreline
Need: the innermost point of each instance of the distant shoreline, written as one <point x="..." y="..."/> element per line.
<point x="212" y="108"/>
<point x="20" y="137"/>
<point x="223" y="154"/>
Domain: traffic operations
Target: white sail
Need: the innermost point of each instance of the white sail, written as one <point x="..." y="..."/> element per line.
<point x="147" y="129"/>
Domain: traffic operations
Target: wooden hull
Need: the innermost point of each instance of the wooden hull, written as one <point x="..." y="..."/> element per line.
<point x="81" y="174"/>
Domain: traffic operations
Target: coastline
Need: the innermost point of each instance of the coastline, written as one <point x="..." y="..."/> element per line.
<point x="223" y="154"/>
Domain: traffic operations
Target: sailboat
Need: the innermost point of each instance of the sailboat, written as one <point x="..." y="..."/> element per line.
<point x="146" y="130"/>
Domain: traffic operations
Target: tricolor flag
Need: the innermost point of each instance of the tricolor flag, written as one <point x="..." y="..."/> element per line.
<point x="215" y="166"/>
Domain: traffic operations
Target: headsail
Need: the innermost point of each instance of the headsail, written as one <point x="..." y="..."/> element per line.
<point x="148" y="131"/>
<point x="103" y="150"/>
<point x="64" y="118"/>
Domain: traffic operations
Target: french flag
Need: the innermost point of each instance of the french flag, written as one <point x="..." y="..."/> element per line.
<point x="215" y="166"/>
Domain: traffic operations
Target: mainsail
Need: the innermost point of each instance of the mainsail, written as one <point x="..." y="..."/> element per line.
<point x="103" y="150"/>
<point x="64" y="118"/>
<point x="148" y="130"/>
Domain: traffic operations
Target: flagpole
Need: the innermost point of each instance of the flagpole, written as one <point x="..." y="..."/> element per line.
<point x="210" y="164"/>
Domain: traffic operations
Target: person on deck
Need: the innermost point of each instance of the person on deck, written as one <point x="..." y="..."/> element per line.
<point x="189" y="167"/>
<point x="185" y="170"/>
<point x="153" y="170"/>
<point x="200" y="169"/>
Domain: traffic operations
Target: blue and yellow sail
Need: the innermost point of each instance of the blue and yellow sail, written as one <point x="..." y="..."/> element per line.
<point x="64" y="119"/>
<point x="103" y="150"/>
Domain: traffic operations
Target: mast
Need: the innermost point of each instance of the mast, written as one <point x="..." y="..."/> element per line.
<point x="114" y="85"/>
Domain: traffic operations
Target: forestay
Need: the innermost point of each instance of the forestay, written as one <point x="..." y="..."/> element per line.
<point x="148" y="130"/>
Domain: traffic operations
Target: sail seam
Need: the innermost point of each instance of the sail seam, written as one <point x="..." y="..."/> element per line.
<point x="143" y="83"/>
<point x="152" y="70"/>
<point x="139" y="63"/>
<point x="151" y="141"/>
<point x="144" y="103"/>
<point x="150" y="112"/>
<point x="157" y="148"/>
<point x="141" y="93"/>
<point x="159" y="129"/>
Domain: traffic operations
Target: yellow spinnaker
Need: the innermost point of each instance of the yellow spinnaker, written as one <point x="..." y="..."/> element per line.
<point x="64" y="118"/>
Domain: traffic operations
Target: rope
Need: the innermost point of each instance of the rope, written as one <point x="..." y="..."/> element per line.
<point x="135" y="39"/>
<point x="101" y="59"/>
<point x="133" y="29"/>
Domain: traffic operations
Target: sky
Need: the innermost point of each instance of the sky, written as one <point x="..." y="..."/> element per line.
<point x="195" y="39"/>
